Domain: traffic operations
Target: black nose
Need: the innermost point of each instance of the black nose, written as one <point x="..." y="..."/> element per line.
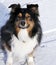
<point x="22" y="22"/>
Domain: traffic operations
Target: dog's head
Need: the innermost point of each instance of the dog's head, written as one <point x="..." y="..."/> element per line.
<point x="24" y="18"/>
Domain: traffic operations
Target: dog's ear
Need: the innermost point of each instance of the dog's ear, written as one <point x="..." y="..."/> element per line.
<point x="14" y="7"/>
<point x="33" y="8"/>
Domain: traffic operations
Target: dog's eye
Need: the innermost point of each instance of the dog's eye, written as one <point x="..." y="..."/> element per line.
<point x="18" y="18"/>
<point x="29" y="18"/>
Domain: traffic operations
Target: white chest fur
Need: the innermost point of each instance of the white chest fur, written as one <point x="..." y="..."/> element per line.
<point x="19" y="48"/>
<point x="23" y="35"/>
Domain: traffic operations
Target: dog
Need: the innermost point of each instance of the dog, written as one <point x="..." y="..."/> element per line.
<point x="21" y="34"/>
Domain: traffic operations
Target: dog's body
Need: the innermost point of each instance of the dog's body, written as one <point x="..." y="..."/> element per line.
<point x="21" y="34"/>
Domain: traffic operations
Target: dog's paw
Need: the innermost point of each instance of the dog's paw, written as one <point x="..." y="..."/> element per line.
<point x="8" y="63"/>
<point x="31" y="63"/>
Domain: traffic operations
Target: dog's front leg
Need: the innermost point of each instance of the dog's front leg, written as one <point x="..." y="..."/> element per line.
<point x="9" y="58"/>
<point x="30" y="59"/>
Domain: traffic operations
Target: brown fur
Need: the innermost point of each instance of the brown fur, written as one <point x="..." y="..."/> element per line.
<point x="20" y="14"/>
<point x="6" y="46"/>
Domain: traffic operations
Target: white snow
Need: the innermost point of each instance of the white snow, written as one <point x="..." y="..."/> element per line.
<point x="4" y="14"/>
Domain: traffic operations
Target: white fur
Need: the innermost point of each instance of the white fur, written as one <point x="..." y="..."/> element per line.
<point x="21" y="49"/>
<point x="9" y="57"/>
<point x="30" y="61"/>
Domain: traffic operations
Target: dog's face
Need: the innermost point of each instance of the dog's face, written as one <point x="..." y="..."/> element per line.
<point x="25" y="18"/>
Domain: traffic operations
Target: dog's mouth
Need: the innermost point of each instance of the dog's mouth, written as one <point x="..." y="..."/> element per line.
<point x="23" y="27"/>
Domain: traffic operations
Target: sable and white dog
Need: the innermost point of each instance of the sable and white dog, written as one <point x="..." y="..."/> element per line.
<point x="21" y="34"/>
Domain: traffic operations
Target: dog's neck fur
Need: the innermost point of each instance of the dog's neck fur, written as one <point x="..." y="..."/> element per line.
<point x="23" y="35"/>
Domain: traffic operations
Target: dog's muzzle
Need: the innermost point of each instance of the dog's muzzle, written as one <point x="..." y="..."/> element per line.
<point x="23" y="25"/>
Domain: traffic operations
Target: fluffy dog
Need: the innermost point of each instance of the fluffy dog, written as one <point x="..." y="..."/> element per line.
<point x="21" y="34"/>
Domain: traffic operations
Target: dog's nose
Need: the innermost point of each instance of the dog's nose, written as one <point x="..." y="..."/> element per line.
<point x="22" y="22"/>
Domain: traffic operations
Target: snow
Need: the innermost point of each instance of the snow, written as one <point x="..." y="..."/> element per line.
<point x="46" y="54"/>
<point x="4" y="15"/>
